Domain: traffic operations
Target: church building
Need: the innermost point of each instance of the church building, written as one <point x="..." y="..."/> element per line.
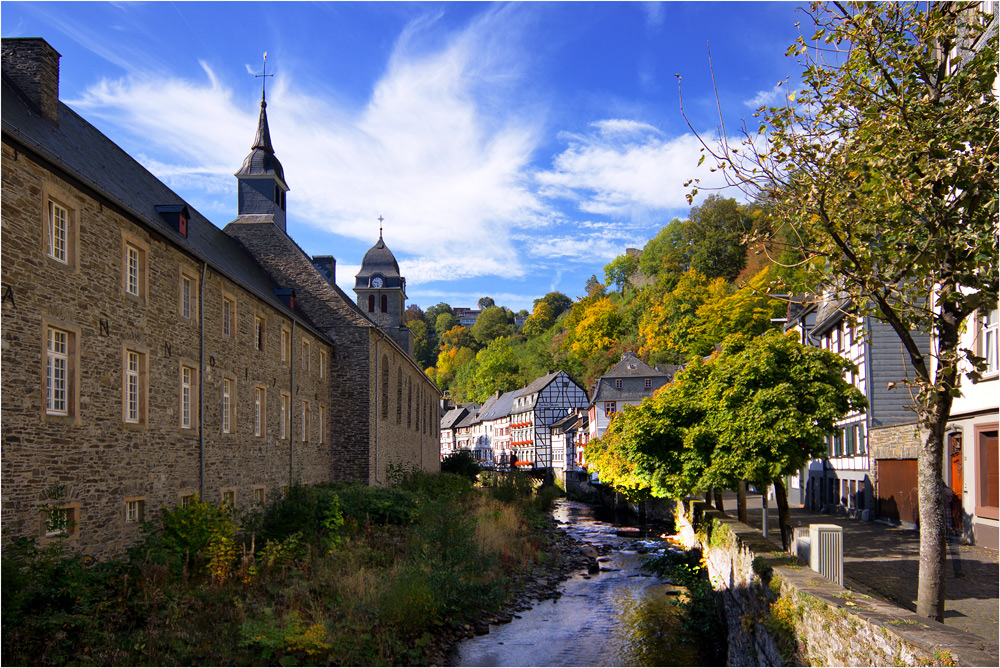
<point x="149" y="356"/>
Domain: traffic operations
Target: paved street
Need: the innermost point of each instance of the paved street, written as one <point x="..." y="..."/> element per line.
<point x="882" y="561"/>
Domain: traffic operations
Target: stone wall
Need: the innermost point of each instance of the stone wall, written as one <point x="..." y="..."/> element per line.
<point x="93" y="460"/>
<point x="780" y="612"/>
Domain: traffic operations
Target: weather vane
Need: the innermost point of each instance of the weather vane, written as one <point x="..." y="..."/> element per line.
<point x="263" y="78"/>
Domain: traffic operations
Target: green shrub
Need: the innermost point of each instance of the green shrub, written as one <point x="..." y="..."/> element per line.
<point x="545" y="497"/>
<point x="463" y="463"/>
<point x="314" y="513"/>
<point x="509" y="486"/>
<point x="377" y="505"/>
<point x="195" y="539"/>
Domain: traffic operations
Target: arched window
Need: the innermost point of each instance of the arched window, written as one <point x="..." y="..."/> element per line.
<point x="371" y="303"/>
<point x="385" y="387"/>
<point x="385" y="303"/>
<point x="416" y="416"/>
<point x="409" y="403"/>
<point x="399" y="396"/>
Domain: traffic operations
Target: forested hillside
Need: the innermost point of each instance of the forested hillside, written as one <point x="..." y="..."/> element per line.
<point x="697" y="281"/>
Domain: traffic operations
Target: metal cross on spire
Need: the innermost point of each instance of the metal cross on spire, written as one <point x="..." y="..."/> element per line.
<point x="380" y="219"/>
<point x="263" y="79"/>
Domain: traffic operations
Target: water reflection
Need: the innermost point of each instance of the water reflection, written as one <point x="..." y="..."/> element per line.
<point x="618" y="617"/>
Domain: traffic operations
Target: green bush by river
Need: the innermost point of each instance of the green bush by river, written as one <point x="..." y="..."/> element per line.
<point x="329" y="574"/>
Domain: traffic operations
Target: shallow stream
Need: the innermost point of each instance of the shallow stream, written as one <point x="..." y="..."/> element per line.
<point x="617" y="617"/>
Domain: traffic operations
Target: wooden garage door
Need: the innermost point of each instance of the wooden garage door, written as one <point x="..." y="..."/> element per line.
<point x="897" y="489"/>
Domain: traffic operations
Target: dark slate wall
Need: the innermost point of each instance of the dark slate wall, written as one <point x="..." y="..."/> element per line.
<point x="889" y="363"/>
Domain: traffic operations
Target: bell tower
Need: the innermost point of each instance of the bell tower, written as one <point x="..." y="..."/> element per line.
<point x="381" y="292"/>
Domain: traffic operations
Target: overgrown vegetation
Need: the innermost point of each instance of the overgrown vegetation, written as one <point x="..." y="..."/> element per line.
<point x="329" y="574"/>
<point x="702" y="621"/>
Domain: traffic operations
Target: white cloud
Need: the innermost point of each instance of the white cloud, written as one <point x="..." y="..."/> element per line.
<point x="428" y="151"/>
<point x="768" y="97"/>
<point x="625" y="168"/>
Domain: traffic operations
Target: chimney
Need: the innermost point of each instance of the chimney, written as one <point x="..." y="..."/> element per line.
<point x="33" y="66"/>
<point x="326" y="265"/>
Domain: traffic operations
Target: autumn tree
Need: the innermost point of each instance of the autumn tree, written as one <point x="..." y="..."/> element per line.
<point x="885" y="163"/>
<point x="485" y="302"/>
<point x="540" y="320"/>
<point x="444" y="322"/>
<point x="557" y="300"/>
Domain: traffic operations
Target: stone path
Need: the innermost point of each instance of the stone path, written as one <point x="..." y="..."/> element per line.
<point x="882" y="560"/>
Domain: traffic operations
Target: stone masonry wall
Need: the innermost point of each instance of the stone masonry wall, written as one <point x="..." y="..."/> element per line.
<point x="780" y="612"/>
<point x="91" y="460"/>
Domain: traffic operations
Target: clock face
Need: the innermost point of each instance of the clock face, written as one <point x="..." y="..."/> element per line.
<point x="377" y="282"/>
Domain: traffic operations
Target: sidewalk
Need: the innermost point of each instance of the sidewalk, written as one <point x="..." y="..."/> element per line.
<point x="882" y="561"/>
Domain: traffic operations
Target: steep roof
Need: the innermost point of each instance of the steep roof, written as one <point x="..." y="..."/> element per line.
<point x="261" y="160"/>
<point x="538" y="384"/>
<point x="378" y="260"/>
<point x="501" y="407"/>
<point x="631" y="366"/>
<point x="449" y="419"/>
<point x="86" y="156"/>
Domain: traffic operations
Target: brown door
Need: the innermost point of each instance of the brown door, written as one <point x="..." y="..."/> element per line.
<point x="897" y="489"/>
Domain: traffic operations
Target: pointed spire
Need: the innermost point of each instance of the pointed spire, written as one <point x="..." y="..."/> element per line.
<point x="263" y="138"/>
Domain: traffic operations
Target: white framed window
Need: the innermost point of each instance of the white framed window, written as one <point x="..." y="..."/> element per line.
<point x="133" y="270"/>
<point x="258" y="494"/>
<point x="322" y="364"/>
<point x="135" y="510"/>
<point x="228" y="316"/>
<point x="305" y="422"/>
<point x="649" y="383"/>
<point x="609" y="407"/>
<point x="227" y="405"/>
<point x="60" y="521"/>
<point x="286" y="344"/>
<point x="134" y="390"/>
<point x="186" y="499"/>
<point x="57" y="372"/>
<point x="187" y="396"/>
<point x="258" y="411"/>
<point x="990" y="350"/>
<point x="285" y="414"/>
<point x="57" y="239"/>
<point x="618" y="383"/>
<point x="229" y="497"/>
<point x="322" y="424"/>
<point x="187" y="289"/>
<point x="258" y="332"/>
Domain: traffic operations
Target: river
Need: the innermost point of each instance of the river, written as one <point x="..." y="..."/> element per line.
<point x="617" y="617"/>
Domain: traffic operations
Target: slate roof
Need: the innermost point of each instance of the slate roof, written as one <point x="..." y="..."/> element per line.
<point x="378" y="260"/>
<point x="564" y="423"/>
<point x="538" y="384"/>
<point x="829" y="313"/>
<point x="89" y="158"/>
<point x="261" y="160"/>
<point x="501" y="407"/>
<point x="449" y="419"/>
<point x="631" y="366"/>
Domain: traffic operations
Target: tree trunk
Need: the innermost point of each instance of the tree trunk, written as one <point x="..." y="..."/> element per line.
<point x="784" y="516"/>
<point x="741" y="501"/>
<point x="718" y="500"/>
<point x="931" y="496"/>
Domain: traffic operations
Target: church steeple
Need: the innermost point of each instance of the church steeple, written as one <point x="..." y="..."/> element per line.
<point x="261" y="179"/>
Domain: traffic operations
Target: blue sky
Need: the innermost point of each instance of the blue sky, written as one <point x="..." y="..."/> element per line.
<point x="513" y="149"/>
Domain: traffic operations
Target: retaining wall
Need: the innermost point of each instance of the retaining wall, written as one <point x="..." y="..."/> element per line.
<point x="780" y="612"/>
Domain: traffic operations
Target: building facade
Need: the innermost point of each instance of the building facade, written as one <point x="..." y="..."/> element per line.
<point x="149" y="356"/>
<point x="626" y="383"/>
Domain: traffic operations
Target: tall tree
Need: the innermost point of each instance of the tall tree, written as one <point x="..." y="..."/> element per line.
<point x="557" y="300"/>
<point x="492" y="323"/>
<point x="885" y="164"/>
<point x="717" y="230"/>
<point x="486" y="302"/>
<point x="619" y="270"/>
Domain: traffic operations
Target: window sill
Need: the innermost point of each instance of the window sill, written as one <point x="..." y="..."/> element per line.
<point x="134" y="426"/>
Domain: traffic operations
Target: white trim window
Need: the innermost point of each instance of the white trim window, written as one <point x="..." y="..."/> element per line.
<point x="322" y="424"/>
<point x="133" y="267"/>
<point x="228" y="308"/>
<point x="133" y="366"/>
<point x="286" y="338"/>
<point x="258" y="411"/>
<point x="322" y="364"/>
<point x="991" y="347"/>
<point x="227" y="404"/>
<point x="285" y="400"/>
<point x="187" y="286"/>
<point x="135" y="511"/>
<point x="58" y="232"/>
<point x="187" y="383"/>
<point x="57" y="372"/>
<point x="305" y="422"/>
<point x="258" y="332"/>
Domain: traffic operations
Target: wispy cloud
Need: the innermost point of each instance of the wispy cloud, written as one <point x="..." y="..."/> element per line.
<point x="625" y="168"/>
<point x="768" y="97"/>
<point x="429" y="150"/>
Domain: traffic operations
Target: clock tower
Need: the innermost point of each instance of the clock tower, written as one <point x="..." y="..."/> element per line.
<point x="382" y="293"/>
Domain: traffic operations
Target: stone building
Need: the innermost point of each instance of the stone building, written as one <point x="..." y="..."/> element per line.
<point x="149" y="356"/>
